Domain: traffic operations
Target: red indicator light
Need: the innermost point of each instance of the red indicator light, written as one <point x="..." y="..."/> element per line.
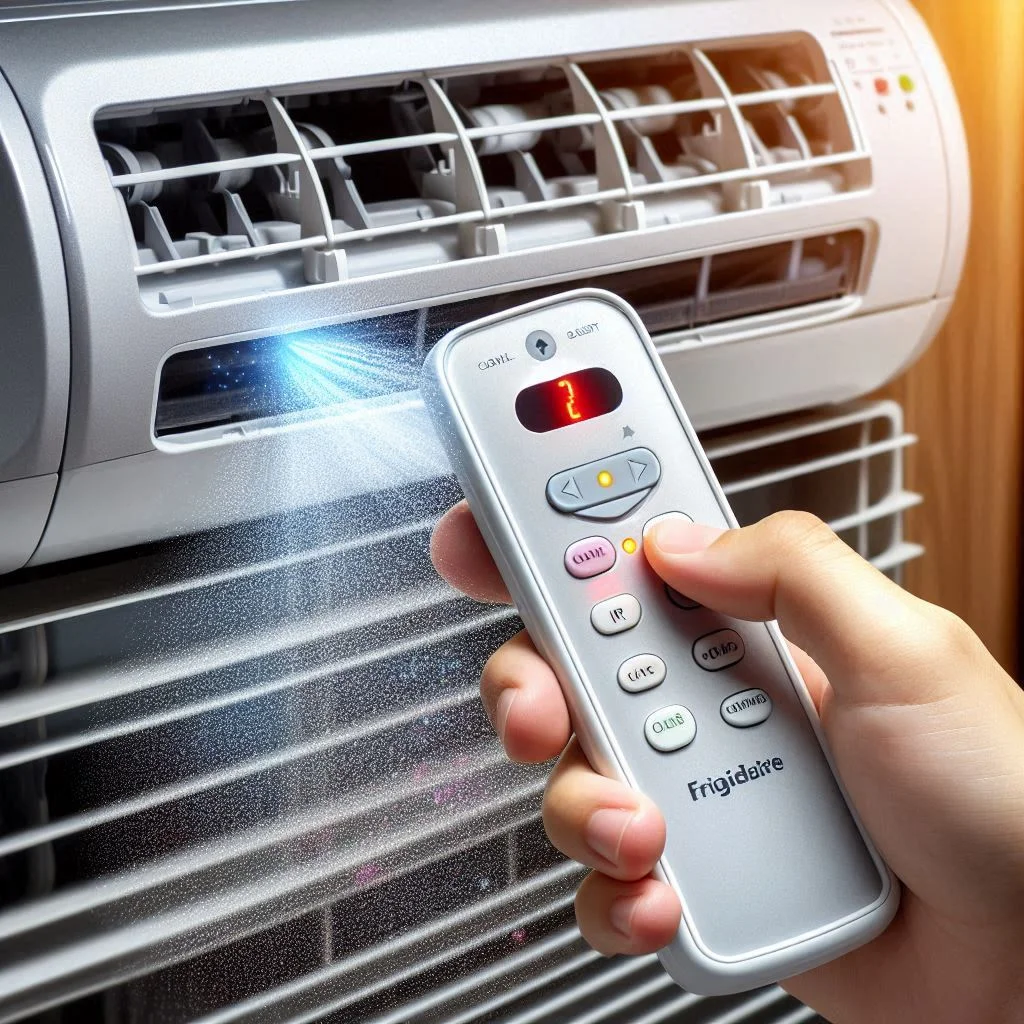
<point x="882" y="86"/>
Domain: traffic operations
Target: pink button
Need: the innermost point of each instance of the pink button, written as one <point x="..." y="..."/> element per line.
<point x="590" y="557"/>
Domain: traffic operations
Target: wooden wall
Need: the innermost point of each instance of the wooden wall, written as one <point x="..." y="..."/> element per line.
<point x="964" y="397"/>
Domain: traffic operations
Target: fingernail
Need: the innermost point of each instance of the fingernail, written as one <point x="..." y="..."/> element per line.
<point x="621" y="913"/>
<point x="504" y="708"/>
<point x="605" y="831"/>
<point x="678" y="537"/>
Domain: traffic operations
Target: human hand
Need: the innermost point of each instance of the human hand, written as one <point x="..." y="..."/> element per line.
<point x="926" y="729"/>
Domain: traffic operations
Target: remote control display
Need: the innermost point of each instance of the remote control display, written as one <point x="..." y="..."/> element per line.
<point x="572" y="398"/>
<point x="705" y="714"/>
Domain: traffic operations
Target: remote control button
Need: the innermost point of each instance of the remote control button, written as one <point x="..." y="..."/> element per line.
<point x="591" y="557"/>
<point x="671" y="728"/>
<point x="604" y="482"/>
<point x="651" y="523"/>
<point x="644" y="672"/>
<point x="746" y="709"/>
<point x="719" y="650"/>
<point x="681" y="600"/>
<point x="571" y="490"/>
<point x="616" y="615"/>
<point x="541" y="345"/>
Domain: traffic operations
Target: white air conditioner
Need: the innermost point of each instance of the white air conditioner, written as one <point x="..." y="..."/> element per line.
<point x="200" y="196"/>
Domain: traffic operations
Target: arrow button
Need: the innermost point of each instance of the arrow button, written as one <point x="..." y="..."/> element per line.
<point x="572" y="489"/>
<point x="637" y="469"/>
<point x="612" y="486"/>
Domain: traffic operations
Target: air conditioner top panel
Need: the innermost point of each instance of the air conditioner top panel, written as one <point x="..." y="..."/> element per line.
<point x="222" y="173"/>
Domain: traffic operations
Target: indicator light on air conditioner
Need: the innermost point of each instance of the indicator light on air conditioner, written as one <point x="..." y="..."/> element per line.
<point x="907" y="84"/>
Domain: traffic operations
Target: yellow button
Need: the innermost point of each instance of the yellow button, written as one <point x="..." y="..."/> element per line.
<point x="605" y="479"/>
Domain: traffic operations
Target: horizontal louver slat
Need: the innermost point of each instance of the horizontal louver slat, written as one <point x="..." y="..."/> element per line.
<point x="155" y="940"/>
<point x="240" y="695"/>
<point x="555" y="1010"/>
<point x="478" y="924"/>
<point x="95" y="684"/>
<point x="818" y="465"/>
<point x="200" y="170"/>
<point x="512" y="994"/>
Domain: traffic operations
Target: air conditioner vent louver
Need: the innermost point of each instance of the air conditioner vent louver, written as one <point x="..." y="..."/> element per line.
<point x="313" y="372"/>
<point x="281" y="191"/>
<point x="246" y="777"/>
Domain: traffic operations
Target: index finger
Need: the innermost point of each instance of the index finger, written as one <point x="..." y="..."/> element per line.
<point x="460" y="556"/>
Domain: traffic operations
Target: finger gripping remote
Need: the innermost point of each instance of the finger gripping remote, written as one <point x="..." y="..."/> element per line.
<point x="570" y="443"/>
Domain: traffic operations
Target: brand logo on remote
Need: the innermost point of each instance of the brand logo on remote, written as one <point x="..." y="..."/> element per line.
<point x="733" y="777"/>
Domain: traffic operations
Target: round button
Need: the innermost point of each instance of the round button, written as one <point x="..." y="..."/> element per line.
<point x="616" y="615"/>
<point x="671" y="728"/>
<point x="746" y="709"/>
<point x="719" y="650"/>
<point x="591" y="557"/>
<point x="666" y="517"/>
<point x="541" y="345"/>
<point x="644" y="672"/>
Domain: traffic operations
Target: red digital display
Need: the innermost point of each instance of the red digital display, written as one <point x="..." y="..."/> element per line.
<point x="574" y="398"/>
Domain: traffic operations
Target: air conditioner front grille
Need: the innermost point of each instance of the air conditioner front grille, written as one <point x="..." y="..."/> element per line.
<point x="274" y="192"/>
<point x="246" y="776"/>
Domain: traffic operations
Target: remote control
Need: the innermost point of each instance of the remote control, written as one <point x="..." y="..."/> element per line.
<point x="569" y="442"/>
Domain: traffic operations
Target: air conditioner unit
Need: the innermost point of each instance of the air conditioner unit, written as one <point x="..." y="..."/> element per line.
<point x="231" y="230"/>
<point x="245" y="776"/>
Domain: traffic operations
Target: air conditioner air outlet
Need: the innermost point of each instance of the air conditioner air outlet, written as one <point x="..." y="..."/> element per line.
<point x="272" y="380"/>
<point x="283" y="190"/>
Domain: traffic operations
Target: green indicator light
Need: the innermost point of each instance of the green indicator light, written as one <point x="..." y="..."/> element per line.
<point x="907" y="84"/>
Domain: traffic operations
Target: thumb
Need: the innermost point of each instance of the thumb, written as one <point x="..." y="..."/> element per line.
<point x="875" y="642"/>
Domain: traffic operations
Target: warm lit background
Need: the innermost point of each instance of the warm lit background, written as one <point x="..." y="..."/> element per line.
<point x="964" y="398"/>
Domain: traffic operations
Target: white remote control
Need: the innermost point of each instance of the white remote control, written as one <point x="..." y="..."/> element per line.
<point x="569" y="442"/>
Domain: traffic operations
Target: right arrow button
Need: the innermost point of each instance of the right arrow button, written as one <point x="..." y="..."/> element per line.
<point x="638" y="469"/>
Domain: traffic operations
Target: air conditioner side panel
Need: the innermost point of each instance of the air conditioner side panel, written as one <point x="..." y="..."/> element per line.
<point x="35" y="351"/>
<point x="954" y="138"/>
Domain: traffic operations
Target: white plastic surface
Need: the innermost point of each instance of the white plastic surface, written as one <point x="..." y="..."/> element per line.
<point x="895" y="170"/>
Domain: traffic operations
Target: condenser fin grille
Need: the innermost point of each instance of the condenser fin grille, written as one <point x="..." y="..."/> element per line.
<point x="246" y="776"/>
